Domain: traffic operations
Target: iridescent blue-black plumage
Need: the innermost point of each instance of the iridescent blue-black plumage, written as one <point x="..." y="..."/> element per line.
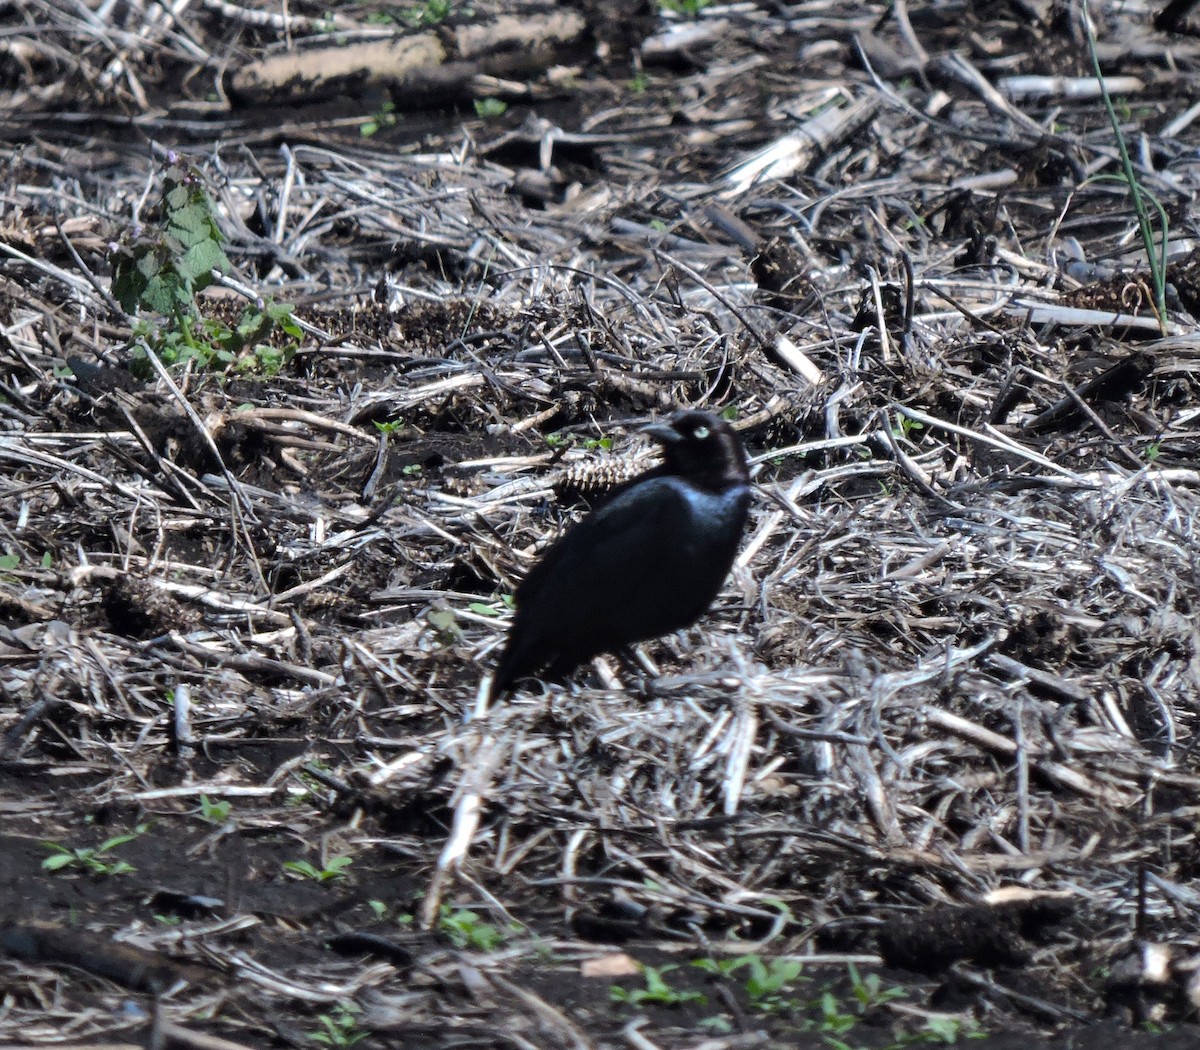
<point x="648" y="561"/>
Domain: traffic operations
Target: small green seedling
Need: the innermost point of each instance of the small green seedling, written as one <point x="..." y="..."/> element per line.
<point x="657" y="990"/>
<point x="949" y="1030"/>
<point x="215" y="811"/>
<point x="490" y="107"/>
<point x="339" y="1027"/>
<point x="445" y="626"/>
<point x="335" y="868"/>
<point x="906" y="427"/>
<point x="835" y="1019"/>
<point x="384" y="117"/>
<point x="466" y="929"/>
<point x="430" y="13"/>
<point x="95" y="860"/>
<point x="869" y="991"/>
<point x="765" y="982"/>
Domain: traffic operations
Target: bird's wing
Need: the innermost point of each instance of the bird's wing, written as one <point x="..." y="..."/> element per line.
<point x="622" y="536"/>
<point x="647" y="562"/>
<point x="629" y="571"/>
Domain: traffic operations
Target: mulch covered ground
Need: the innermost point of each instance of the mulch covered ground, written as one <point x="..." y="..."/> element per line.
<point x="926" y="773"/>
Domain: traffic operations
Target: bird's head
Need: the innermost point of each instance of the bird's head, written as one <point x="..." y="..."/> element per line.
<point x="701" y="448"/>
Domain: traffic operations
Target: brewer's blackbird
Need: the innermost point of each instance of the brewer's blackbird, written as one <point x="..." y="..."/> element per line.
<point x="646" y="562"/>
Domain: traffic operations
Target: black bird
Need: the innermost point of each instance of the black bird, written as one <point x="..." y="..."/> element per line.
<point x="646" y="562"/>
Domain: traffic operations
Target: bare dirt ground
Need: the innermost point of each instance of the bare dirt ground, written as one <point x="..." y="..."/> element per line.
<point x="927" y="774"/>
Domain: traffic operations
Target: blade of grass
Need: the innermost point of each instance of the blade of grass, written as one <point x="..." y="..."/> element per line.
<point x="1158" y="264"/>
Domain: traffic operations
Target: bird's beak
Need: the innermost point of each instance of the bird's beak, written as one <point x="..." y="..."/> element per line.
<point x="663" y="433"/>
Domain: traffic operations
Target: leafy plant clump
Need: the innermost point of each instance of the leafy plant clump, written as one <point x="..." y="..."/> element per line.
<point x="95" y="860"/>
<point x="161" y="267"/>
<point x="431" y="13"/>
<point x="215" y="811"/>
<point x="339" y="1027"/>
<point x="657" y="990"/>
<point x="467" y="929"/>
<point x="771" y="986"/>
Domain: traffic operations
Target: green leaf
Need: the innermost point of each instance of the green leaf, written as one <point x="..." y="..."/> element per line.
<point x="442" y="620"/>
<point x="192" y="224"/>
<point x="163" y="294"/>
<point x="200" y="260"/>
<point x="944" y="1028"/>
<point x="149" y="265"/>
<point x="175" y="198"/>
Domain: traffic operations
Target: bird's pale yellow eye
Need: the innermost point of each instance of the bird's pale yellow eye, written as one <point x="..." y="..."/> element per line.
<point x="700" y="433"/>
